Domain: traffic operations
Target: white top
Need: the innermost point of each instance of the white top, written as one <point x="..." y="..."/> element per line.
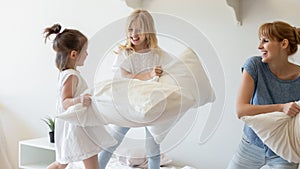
<point x="75" y="143"/>
<point x="136" y="63"/>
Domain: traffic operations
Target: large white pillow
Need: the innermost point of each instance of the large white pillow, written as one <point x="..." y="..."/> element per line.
<point x="188" y="72"/>
<point x="142" y="103"/>
<point x="157" y="105"/>
<point x="129" y="103"/>
<point x="280" y="132"/>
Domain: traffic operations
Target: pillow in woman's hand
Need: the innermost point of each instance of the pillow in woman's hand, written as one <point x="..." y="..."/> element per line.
<point x="280" y="132"/>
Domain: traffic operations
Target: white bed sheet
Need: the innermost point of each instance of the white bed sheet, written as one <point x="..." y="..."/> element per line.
<point x="115" y="164"/>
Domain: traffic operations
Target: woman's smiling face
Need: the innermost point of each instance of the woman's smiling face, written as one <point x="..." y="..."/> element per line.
<point x="269" y="49"/>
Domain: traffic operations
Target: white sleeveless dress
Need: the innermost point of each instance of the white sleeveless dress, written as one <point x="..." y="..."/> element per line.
<point x="75" y="143"/>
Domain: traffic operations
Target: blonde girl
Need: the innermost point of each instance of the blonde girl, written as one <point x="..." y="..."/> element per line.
<point x="140" y="58"/>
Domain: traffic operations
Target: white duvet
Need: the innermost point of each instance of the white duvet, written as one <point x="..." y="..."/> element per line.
<point x="155" y="104"/>
<point x="280" y="132"/>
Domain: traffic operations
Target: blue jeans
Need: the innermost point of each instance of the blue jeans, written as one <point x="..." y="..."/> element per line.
<point x="249" y="156"/>
<point x="152" y="149"/>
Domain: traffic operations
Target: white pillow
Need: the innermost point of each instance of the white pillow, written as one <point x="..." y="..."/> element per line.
<point x="129" y="103"/>
<point x="157" y="105"/>
<point x="196" y="90"/>
<point x="188" y="72"/>
<point x="136" y="157"/>
<point x="280" y="132"/>
<point x="141" y="103"/>
<point x="82" y="116"/>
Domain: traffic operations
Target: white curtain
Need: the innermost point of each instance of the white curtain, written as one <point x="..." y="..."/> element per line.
<point x="4" y="157"/>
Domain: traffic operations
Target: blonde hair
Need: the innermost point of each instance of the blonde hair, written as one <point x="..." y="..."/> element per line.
<point x="279" y="31"/>
<point x="144" y="19"/>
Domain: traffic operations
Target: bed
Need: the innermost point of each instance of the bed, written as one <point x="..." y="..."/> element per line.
<point x="114" y="163"/>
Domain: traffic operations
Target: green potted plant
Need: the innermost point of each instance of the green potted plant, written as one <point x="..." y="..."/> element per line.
<point x="51" y="124"/>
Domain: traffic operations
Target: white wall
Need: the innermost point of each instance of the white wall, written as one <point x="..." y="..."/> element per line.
<point x="28" y="75"/>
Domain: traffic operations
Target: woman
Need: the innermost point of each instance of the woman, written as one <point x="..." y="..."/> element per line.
<point x="269" y="83"/>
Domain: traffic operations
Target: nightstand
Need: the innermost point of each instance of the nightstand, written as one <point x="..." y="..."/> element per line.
<point x="36" y="153"/>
